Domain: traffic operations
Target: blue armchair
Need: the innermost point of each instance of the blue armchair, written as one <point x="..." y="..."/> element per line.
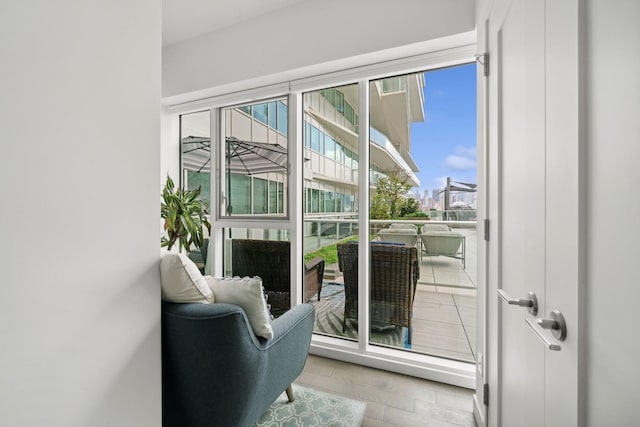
<point x="215" y="371"/>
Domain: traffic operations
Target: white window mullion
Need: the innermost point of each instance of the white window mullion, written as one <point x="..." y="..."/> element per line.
<point x="295" y="198"/>
<point x="363" y="217"/>
<point x="216" y="240"/>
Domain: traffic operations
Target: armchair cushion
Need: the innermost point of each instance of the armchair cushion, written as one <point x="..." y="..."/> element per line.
<point x="247" y="293"/>
<point x="181" y="281"/>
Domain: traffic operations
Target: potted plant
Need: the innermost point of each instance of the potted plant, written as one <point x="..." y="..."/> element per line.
<point x="184" y="217"/>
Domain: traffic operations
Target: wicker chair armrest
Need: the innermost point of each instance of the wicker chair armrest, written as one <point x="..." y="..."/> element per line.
<point x="317" y="262"/>
<point x="314" y="272"/>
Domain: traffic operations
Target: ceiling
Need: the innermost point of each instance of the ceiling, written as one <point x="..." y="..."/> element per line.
<point x="186" y="19"/>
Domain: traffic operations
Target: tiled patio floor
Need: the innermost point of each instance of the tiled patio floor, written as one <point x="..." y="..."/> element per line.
<point x="444" y="310"/>
<point x="444" y="322"/>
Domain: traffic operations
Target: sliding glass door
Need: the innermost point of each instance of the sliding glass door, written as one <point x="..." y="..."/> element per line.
<point x="420" y="241"/>
<point x="422" y="207"/>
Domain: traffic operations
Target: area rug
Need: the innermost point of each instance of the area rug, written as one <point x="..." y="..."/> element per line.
<point x="313" y="408"/>
<point x="330" y="312"/>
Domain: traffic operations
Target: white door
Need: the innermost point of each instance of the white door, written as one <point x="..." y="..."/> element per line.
<point x="533" y="204"/>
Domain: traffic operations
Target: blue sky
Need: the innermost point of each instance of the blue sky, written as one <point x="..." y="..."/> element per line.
<point x="445" y="143"/>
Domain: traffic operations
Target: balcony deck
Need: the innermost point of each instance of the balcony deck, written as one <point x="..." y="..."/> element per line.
<point x="444" y="311"/>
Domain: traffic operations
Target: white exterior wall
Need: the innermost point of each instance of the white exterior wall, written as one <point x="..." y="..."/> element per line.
<point x="612" y="317"/>
<point x="80" y="293"/>
<point x="293" y="41"/>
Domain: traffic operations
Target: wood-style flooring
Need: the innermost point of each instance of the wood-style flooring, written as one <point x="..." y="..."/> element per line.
<point x="392" y="399"/>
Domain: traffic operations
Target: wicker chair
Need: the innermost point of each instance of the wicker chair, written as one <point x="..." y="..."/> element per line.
<point x="394" y="277"/>
<point x="270" y="259"/>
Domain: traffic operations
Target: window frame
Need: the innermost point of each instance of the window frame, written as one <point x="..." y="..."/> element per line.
<point x="281" y="217"/>
<point x="425" y="56"/>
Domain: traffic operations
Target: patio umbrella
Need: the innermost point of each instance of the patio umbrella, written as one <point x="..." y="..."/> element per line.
<point x="242" y="157"/>
<point x="251" y="158"/>
<point x="196" y="152"/>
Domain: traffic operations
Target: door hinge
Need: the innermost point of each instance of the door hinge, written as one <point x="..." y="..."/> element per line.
<point x="486" y="230"/>
<point x="483" y="59"/>
<point x="485" y="394"/>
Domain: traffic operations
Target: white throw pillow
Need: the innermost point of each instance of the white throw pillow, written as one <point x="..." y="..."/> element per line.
<point x="247" y="293"/>
<point x="181" y="281"/>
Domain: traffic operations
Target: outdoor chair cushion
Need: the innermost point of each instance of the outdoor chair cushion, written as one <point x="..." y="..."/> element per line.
<point x="435" y="227"/>
<point x="402" y="235"/>
<point x="446" y="243"/>
<point x="403" y="226"/>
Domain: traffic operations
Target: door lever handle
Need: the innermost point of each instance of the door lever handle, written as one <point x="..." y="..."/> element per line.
<point x="556" y="325"/>
<point x="548" y="324"/>
<point x="547" y="343"/>
<point x="531" y="302"/>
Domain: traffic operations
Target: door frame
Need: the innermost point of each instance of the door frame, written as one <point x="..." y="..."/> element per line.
<point x="566" y="163"/>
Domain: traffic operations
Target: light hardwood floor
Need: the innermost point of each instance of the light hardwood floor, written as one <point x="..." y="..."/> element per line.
<point x="392" y="399"/>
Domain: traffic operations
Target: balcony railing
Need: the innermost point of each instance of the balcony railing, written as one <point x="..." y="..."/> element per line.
<point x="381" y="140"/>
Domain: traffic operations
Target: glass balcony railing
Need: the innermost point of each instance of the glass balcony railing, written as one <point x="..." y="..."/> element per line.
<point x="394" y="84"/>
<point x="381" y="140"/>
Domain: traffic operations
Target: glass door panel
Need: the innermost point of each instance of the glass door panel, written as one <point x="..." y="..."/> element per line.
<point x="330" y="204"/>
<point x="422" y="209"/>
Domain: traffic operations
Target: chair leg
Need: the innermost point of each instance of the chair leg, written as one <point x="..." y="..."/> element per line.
<point x="290" y="393"/>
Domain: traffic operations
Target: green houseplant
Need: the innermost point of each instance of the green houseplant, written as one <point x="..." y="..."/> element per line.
<point x="184" y="216"/>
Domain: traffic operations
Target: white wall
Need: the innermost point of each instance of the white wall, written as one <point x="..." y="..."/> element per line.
<point x="79" y="279"/>
<point x="304" y="35"/>
<point x="613" y="173"/>
<point x="170" y="149"/>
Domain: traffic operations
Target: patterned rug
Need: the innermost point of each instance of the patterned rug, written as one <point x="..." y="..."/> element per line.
<point x="330" y="312"/>
<point x="313" y="408"/>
